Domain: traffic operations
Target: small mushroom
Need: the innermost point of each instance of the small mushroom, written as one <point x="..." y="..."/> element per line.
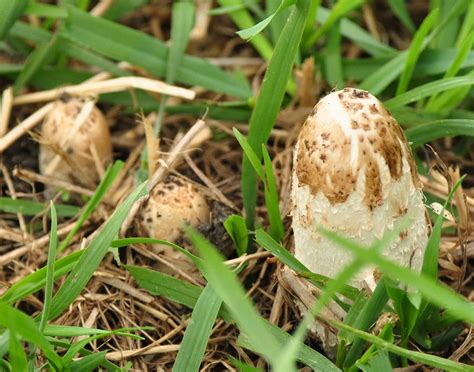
<point x="354" y="174"/>
<point x="171" y="205"/>
<point x="75" y="142"/>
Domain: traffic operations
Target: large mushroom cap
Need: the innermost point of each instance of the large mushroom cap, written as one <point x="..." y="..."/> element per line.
<point x="354" y="174"/>
<point x="71" y="133"/>
<point x="173" y="204"/>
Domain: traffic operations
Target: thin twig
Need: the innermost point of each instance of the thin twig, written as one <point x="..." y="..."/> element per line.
<point x="106" y="86"/>
<point x="7" y="103"/>
<point x="26" y="125"/>
<point x="38" y="243"/>
<point x="48" y="180"/>
<point x="11" y="189"/>
<point x="101" y="7"/>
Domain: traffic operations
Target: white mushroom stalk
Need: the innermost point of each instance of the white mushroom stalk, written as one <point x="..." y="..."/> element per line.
<point x="354" y="174"/>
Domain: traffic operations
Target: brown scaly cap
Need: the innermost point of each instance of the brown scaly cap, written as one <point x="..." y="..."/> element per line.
<point x="173" y="204"/>
<point x="350" y="130"/>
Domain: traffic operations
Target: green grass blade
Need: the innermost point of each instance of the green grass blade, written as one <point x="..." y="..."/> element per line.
<point x="250" y="154"/>
<point x="332" y="58"/>
<point x="77" y="346"/>
<point x="416" y="47"/>
<point x="32" y="208"/>
<point x="75" y="51"/>
<point x="125" y="44"/>
<point x="10" y="10"/>
<point x="338" y="12"/>
<point x="279" y="20"/>
<point x="364" y="321"/>
<point x="437" y="129"/>
<point x="358" y="35"/>
<point x="431" y="256"/>
<point x="270" y="98"/>
<point x="277" y="230"/>
<point x="242" y="18"/>
<point x="431" y="63"/>
<point x="428" y="89"/>
<point x="447" y="38"/>
<point x="305" y="354"/>
<point x="463" y="52"/>
<point x="36" y="280"/>
<point x="379" y="362"/>
<point x="231" y="292"/>
<point x="467" y="26"/>
<point x="34" y="34"/>
<point x="25" y="327"/>
<point x="120" y="8"/>
<point x="380" y="79"/>
<point x="34" y="62"/>
<point x="73" y="331"/>
<point x="430" y="262"/>
<point x="182" y="20"/>
<point x="165" y="285"/>
<point x="16" y="354"/>
<point x="399" y="7"/>
<point x="117" y="243"/>
<point x="45" y="10"/>
<point x="49" y="287"/>
<point x="251" y="32"/>
<point x="198" y="331"/>
<point x="451" y="99"/>
<point x="84" y="352"/>
<point x="243" y="367"/>
<point x="90" y="260"/>
<point x="435" y="105"/>
<point x="172" y="288"/>
<point x="237" y="230"/>
<point x="416" y="356"/>
<point x="94" y="201"/>
<point x="88" y="363"/>
<point x="439" y="295"/>
<point x="10" y="68"/>
<point x="267" y="242"/>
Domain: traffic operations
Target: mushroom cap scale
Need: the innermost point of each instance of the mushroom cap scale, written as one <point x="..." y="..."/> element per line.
<point x="354" y="174"/>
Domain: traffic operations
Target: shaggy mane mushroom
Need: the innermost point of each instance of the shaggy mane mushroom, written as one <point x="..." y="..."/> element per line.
<point x="354" y="174"/>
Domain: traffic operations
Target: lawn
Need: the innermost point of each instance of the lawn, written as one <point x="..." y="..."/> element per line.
<point x="151" y="188"/>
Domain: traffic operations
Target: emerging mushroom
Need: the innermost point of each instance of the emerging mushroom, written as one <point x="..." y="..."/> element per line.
<point x="354" y="174"/>
<point x="171" y="205"/>
<point x="75" y="142"/>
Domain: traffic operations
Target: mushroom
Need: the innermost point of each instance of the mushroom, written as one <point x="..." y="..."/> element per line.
<point x="173" y="204"/>
<point x="354" y="174"/>
<point x="75" y="142"/>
